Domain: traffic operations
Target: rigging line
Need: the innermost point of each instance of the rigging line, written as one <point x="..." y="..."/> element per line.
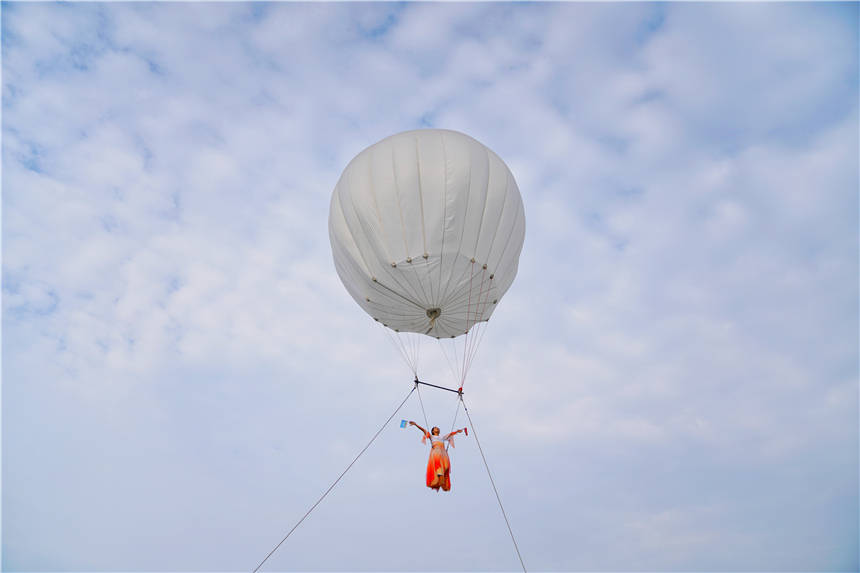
<point x="460" y="301"/>
<point x="403" y="341"/>
<point x="396" y="320"/>
<point x="331" y="487"/>
<point x="454" y="421"/>
<point x="486" y="465"/>
<point x="408" y="344"/>
<point x="471" y="346"/>
<point x="471" y="334"/>
<point x="455" y="295"/>
<point x="399" y="343"/>
<point x="419" y="344"/>
<point x="455" y="344"/>
<point x="481" y="326"/>
<point x="452" y="324"/>
<point x="447" y="342"/>
<point x="398" y="295"/>
<point x="461" y="358"/>
<point x="448" y="359"/>
<point x="456" y="412"/>
<point x="468" y="307"/>
<point x="483" y="329"/>
<point x="421" y="401"/>
<point x="395" y="340"/>
<point x="405" y="315"/>
<point x="413" y="265"/>
<point x="411" y="286"/>
<point x="480" y="334"/>
<point x="414" y="345"/>
<point x="480" y="329"/>
<point x="385" y="300"/>
<point x="413" y="354"/>
<point x="483" y="296"/>
<point x="413" y="350"/>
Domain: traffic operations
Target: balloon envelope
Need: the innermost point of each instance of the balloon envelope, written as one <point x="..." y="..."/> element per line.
<point x="426" y="230"/>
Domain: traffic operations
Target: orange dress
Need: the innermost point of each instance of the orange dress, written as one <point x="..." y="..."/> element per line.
<point x="439" y="464"/>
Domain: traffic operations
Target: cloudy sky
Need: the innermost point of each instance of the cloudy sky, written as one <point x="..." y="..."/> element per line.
<point x="671" y="384"/>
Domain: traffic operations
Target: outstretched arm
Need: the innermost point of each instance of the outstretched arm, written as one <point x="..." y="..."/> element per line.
<point x="452" y="434"/>
<point x="423" y="431"/>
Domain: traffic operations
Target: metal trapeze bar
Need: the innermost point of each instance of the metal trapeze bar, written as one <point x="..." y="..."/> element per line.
<point x="459" y="391"/>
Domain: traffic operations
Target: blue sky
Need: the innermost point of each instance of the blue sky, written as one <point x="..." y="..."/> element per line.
<point x="670" y="384"/>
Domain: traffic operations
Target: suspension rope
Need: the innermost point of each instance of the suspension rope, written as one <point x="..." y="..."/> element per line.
<point x="379" y="431"/>
<point x="454" y="421"/>
<point x="481" y="329"/>
<point x="412" y="342"/>
<point x="468" y="329"/>
<point x="456" y="412"/>
<point x="505" y="515"/>
<point x="478" y="308"/>
<point x="408" y="344"/>
<point x="451" y="362"/>
<point x="398" y="344"/>
<point x="478" y="327"/>
<point x="421" y="401"/>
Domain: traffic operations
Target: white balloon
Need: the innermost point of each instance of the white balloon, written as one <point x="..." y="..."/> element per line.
<point x="426" y="230"/>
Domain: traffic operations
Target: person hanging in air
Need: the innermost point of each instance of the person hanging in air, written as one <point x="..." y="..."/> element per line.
<point x="439" y="464"/>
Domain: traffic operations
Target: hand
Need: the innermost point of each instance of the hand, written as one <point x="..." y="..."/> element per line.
<point x="411" y="423"/>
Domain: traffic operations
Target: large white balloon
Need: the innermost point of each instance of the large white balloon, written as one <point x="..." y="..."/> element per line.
<point x="426" y="229"/>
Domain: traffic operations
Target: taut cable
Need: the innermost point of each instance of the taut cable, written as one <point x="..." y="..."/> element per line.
<point x="331" y="487"/>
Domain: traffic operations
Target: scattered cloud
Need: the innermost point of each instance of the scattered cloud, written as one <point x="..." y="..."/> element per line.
<point x="670" y="384"/>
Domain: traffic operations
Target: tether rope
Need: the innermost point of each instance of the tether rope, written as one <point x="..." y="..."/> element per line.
<point x="505" y="515"/>
<point x="331" y="487"/>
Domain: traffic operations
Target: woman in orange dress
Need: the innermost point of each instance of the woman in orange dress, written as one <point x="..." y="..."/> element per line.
<point x="439" y="464"/>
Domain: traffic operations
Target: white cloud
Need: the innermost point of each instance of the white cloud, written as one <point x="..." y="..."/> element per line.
<point x="676" y="361"/>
